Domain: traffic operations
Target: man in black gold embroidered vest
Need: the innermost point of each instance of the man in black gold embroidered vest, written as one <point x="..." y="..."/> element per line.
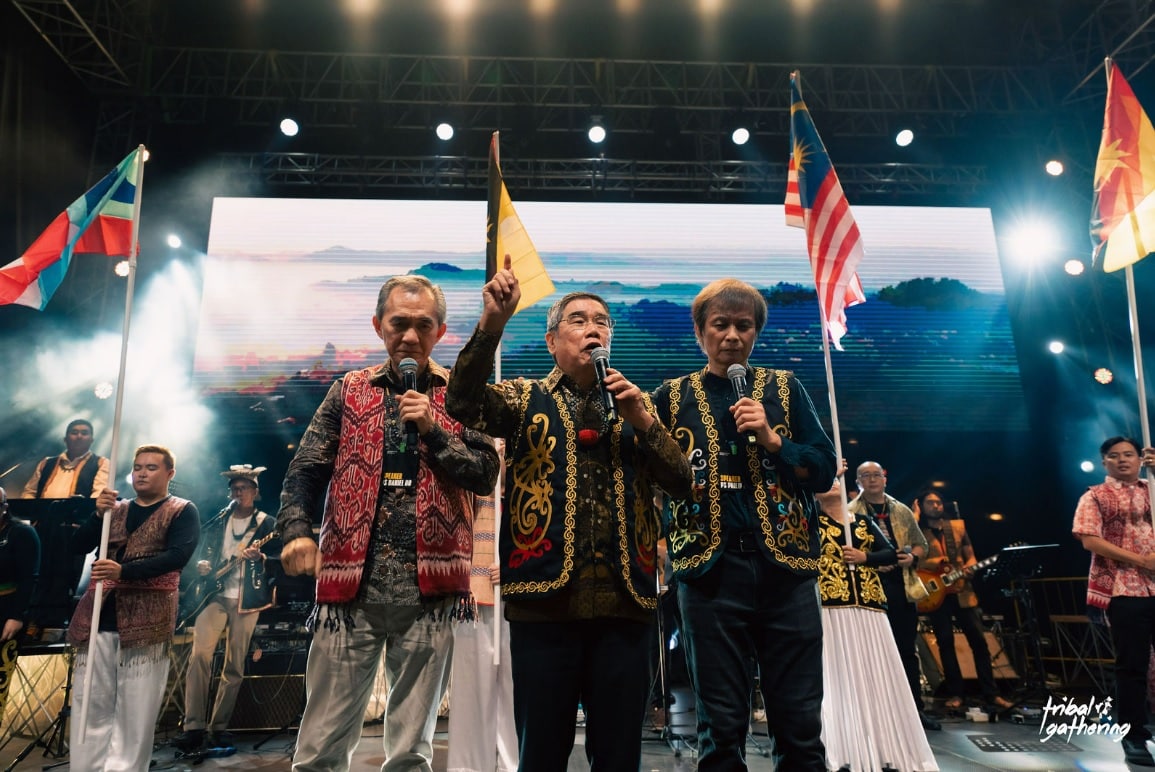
<point x="578" y="532"/>
<point x="151" y="538"/>
<point x="744" y="544"/>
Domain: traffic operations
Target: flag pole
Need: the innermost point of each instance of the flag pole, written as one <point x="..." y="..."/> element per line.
<point x="1140" y="380"/>
<point x="835" y="430"/>
<point x="491" y="257"/>
<point x="106" y="520"/>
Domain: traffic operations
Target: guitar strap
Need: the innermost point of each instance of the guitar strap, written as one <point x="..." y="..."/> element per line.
<point x="952" y="550"/>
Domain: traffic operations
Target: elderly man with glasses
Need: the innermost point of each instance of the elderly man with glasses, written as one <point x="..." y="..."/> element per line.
<point x="578" y="533"/>
<point x="901" y="529"/>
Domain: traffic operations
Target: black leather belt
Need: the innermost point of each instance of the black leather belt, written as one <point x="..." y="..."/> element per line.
<point x="743" y="542"/>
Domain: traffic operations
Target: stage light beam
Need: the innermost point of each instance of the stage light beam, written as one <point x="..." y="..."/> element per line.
<point x="289" y="127"/>
<point x="1054" y="167"/>
<point x="597" y="132"/>
<point x="1032" y="241"/>
<point x="173" y="241"/>
<point x="1056" y="347"/>
<point x="1087" y="466"/>
<point x="444" y="131"/>
<point x="1074" y="267"/>
<point x="904" y="137"/>
<point x="740" y="136"/>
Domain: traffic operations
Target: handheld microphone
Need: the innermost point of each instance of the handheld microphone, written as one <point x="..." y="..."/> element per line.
<point x="601" y="359"/>
<point x="408" y="368"/>
<point x="737" y="375"/>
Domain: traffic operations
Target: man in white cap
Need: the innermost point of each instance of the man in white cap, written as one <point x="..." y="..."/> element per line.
<point x="230" y="562"/>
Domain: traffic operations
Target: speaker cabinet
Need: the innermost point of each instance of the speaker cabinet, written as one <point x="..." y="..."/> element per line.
<point x="269" y="702"/>
<point x="932" y="661"/>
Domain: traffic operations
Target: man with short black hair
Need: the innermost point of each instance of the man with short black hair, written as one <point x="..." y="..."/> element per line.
<point x="75" y="472"/>
<point x="151" y="538"/>
<point x="1113" y="521"/>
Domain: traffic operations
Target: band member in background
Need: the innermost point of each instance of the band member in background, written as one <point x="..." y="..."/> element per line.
<point x="901" y="529"/>
<point x="1113" y="521"/>
<point x="578" y="536"/>
<point x="745" y="543"/>
<point x="949" y="548"/>
<point x="75" y="472"/>
<point x="867" y="720"/>
<point x="396" y="538"/>
<point x="19" y="569"/>
<point x="231" y="566"/>
<point x="151" y="539"/>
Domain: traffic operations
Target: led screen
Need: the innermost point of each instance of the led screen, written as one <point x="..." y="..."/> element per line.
<point x="290" y="286"/>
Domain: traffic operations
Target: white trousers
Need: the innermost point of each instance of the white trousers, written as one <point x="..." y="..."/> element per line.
<point x="339" y="681"/>
<point x="127" y="691"/>
<point x="482" y="736"/>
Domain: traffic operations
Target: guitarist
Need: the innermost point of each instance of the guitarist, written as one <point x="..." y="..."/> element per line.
<point x="230" y="565"/>
<point x="949" y="548"/>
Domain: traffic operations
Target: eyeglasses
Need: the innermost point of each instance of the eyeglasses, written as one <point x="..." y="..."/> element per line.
<point x="871" y="476"/>
<point x="241" y="488"/>
<point x="581" y="321"/>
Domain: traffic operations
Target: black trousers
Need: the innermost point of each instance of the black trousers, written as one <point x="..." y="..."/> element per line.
<point x="747" y="616"/>
<point x="971" y="623"/>
<point x="903" y="618"/>
<point x="601" y="663"/>
<point x="1132" y="631"/>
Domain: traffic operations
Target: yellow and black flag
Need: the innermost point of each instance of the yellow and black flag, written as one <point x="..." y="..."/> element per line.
<point x="505" y="235"/>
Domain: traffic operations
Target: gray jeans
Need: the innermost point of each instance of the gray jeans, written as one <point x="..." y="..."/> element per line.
<point x="339" y="682"/>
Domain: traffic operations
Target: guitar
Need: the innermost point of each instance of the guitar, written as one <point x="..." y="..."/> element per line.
<point x="939" y="585"/>
<point x="204" y="589"/>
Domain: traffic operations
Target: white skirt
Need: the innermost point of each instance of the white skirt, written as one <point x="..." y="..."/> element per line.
<point x="868" y="716"/>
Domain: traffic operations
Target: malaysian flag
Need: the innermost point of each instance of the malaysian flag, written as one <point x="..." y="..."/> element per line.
<point x="815" y="201"/>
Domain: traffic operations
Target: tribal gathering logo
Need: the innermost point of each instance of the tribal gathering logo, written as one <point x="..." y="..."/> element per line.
<point x="1068" y="718"/>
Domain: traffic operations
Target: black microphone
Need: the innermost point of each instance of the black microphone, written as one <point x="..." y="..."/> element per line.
<point x="601" y="359"/>
<point x="737" y="375"/>
<point x="408" y="368"/>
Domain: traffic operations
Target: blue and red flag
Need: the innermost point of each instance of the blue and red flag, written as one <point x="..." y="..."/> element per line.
<point x="99" y="222"/>
<point x="815" y="201"/>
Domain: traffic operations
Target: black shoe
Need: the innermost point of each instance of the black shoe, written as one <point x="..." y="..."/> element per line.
<point x="223" y="740"/>
<point x="189" y="741"/>
<point x="929" y="723"/>
<point x="1135" y="752"/>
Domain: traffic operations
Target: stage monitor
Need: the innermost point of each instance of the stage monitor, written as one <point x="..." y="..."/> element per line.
<point x="290" y="286"/>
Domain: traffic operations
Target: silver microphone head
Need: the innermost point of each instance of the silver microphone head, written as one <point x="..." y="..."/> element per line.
<point x="408" y="364"/>
<point x="736" y="371"/>
<point x="601" y="353"/>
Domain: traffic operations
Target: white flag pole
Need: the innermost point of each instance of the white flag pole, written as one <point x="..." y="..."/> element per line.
<point x="98" y="597"/>
<point x="1140" y="380"/>
<point x="497" y="530"/>
<point x="834" y="421"/>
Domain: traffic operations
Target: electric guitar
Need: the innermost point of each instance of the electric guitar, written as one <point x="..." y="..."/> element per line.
<point x="205" y="588"/>
<point x="949" y="582"/>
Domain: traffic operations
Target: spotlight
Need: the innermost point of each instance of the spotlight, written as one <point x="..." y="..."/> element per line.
<point x="1104" y="376"/>
<point x="173" y="241"/>
<point x="740" y="136"/>
<point x="289" y="127"/>
<point x="1087" y="466"/>
<point x="1054" y="167"/>
<point x="444" y="131"/>
<point x="1056" y="347"/>
<point x="121" y="269"/>
<point x="995" y="516"/>
<point x="1033" y="240"/>
<point x="103" y="390"/>
<point x="597" y="132"/>
<point x="1074" y="267"/>
<point x="904" y="138"/>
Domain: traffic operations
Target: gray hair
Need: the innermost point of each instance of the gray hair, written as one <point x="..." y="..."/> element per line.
<point x="553" y="317"/>
<point x="415" y="284"/>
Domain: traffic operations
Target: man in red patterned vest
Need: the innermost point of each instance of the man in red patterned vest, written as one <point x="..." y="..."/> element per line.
<point x="151" y="538"/>
<point x="396" y="544"/>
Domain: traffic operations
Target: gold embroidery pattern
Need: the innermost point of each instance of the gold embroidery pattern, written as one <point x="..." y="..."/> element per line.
<point x="530" y="508"/>
<point x="646" y="524"/>
<point x="869" y="583"/>
<point x="712" y="490"/>
<point x="833" y="582"/>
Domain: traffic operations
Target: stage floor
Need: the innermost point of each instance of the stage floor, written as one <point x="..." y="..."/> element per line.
<point x="961" y="746"/>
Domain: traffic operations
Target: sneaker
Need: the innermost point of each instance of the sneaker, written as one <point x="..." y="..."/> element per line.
<point x="189" y="741"/>
<point x="1135" y="752"/>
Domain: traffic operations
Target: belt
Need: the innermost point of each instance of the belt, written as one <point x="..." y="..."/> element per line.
<point x="744" y="542"/>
